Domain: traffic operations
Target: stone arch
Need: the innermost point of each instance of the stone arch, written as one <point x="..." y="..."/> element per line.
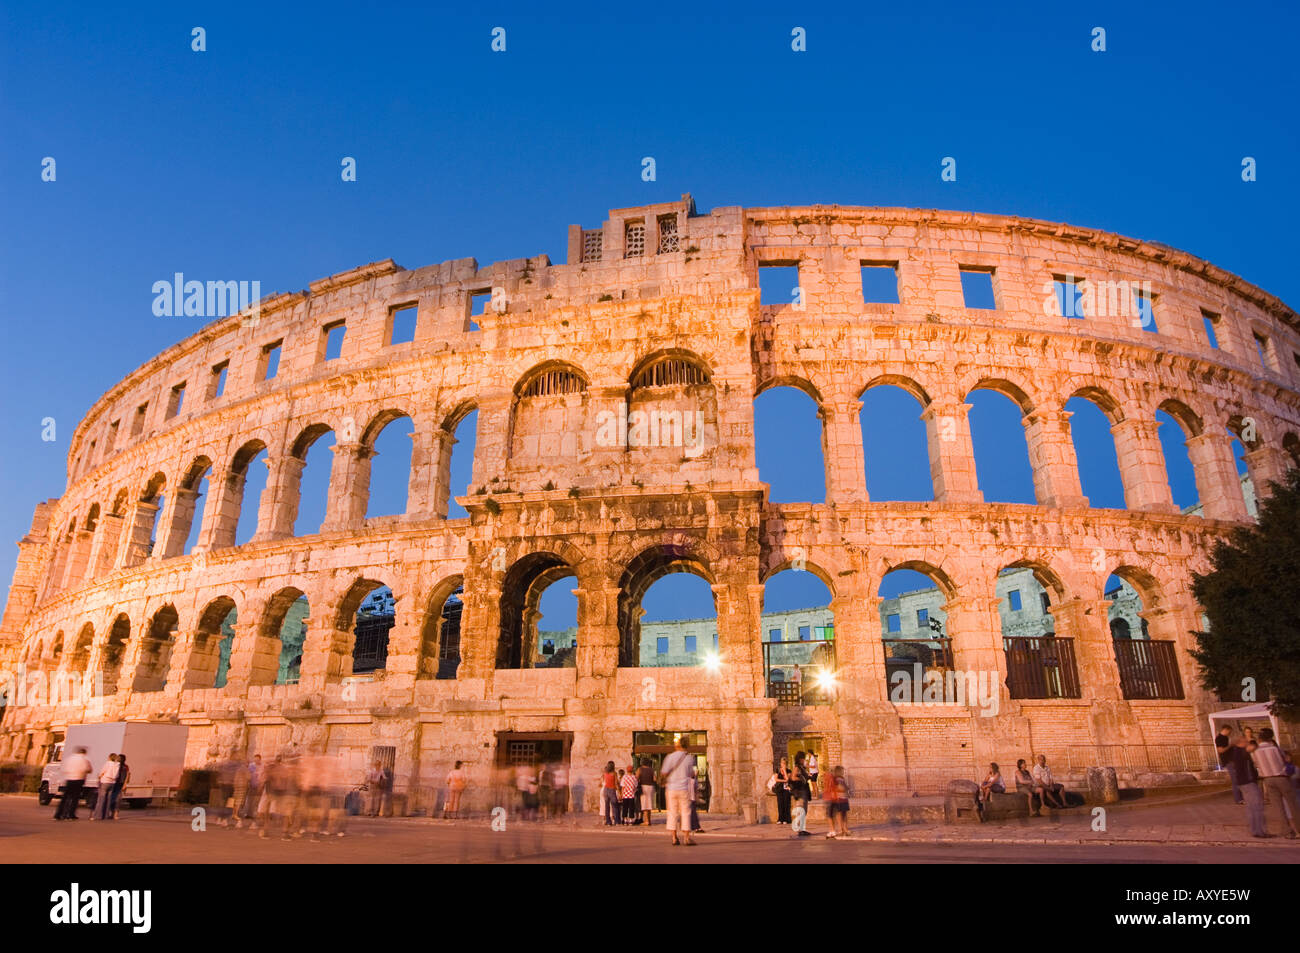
<point x="797" y="635"/>
<point x="1184" y="416"/>
<point x="914" y="628"/>
<point x="367" y="627"/>
<point x="385" y="486"/>
<point x="119" y="502"/>
<point x="440" y="632"/>
<point x="281" y="639"/>
<point x="455" y="466"/>
<point x="670" y="367"/>
<point x="521" y="592"/>
<point x="114" y="651"/>
<point x="796" y="381"/>
<point x="902" y="382"/>
<point x="240" y="523"/>
<point x="209" y="659"/>
<point x="672" y="408"/>
<point x="1102" y="398"/>
<point x="548" y="416"/>
<point x="1009" y="389"/>
<point x="1291" y="444"/>
<point x="1094" y="413"/>
<point x="1004" y="463"/>
<point x="313" y="481"/>
<point x="92" y="518"/>
<point x="79" y="657"/>
<point x="640" y="573"/>
<point x="795" y="461"/>
<point x="155" y="651"/>
<point x="188" y="507"/>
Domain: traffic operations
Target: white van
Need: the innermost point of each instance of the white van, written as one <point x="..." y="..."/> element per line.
<point x="155" y="755"/>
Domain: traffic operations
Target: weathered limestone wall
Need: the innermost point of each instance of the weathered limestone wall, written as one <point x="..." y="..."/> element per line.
<point x="551" y="492"/>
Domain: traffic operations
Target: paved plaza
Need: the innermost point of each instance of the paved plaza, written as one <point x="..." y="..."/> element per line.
<point x="1197" y="829"/>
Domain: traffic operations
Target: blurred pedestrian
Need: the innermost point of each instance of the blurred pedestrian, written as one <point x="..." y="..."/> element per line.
<point x="123" y="776"/>
<point x="628" y="789"/>
<point x="677" y="771"/>
<point x="104" y="790"/>
<point x="800" y="794"/>
<point x="837" y="803"/>
<point x="76" y="767"/>
<point x="375" y="786"/>
<point x="609" y="805"/>
<point x="645" y="777"/>
<point x="456" y="785"/>
<point x="239" y="795"/>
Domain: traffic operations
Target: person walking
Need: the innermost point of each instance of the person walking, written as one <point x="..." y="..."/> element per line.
<point x="239" y="794"/>
<point x="645" y="777"/>
<point x="800" y="794"/>
<point x="375" y="785"/>
<point x="678" y="770"/>
<point x="1241" y="768"/>
<point x="545" y="790"/>
<point x="76" y="767"/>
<point x="456" y="785"/>
<point x="837" y="803"/>
<point x="810" y="765"/>
<point x="1270" y="764"/>
<point x="628" y="788"/>
<point x="104" y="792"/>
<point x="609" y="795"/>
<point x="781" y="788"/>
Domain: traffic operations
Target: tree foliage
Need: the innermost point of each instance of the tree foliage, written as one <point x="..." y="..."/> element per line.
<point x="1252" y="601"/>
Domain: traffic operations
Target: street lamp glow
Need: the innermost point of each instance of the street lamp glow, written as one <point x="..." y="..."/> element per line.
<point x="825" y="679"/>
<point x="712" y="661"/>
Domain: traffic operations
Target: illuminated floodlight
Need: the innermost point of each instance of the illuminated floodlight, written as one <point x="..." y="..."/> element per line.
<point x="712" y="661"/>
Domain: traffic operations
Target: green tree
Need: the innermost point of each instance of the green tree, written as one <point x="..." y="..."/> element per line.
<point x="1252" y="601"/>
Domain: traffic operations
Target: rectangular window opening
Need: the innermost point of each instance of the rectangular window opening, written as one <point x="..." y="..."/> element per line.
<point x="661" y="645"/>
<point x="271" y="360"/>
<point x="880" y="282"/>
<point x="805" y="633"/>
<point x="1145" y="303"/>
<point x="111" y="442"/>
<point x="217" y="382"/>
<point x="1014" y="597"/>
<point x="137" y="422"/>
<point x="977" y="288"/>
<point x="778" y="283"/>
<point x="479" y="301"/>
<point x="1211" y="321"/>
<point x="922" y="618"/>
<point x="403" y="325"/>
<point x="774" y="635"/>
<point x="1069" y="295"/>
<point x="690" y="645"/>
<point x="894" y="622"/>
<point x="1265" y="350"/>
<point x="176" y="401"/>
<point x="333" y="339"/>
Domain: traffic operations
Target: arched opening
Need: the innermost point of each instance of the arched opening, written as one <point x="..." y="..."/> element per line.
<point x="677" y="624"/>
<point x="798" y="638"/>
<point x="250" y="473"/>
<point x="79" y="658"/>
<point x="457" y="470"/>
<point x="114" y="653"/>
<point x="56" y="648"/>
<point x="1175" y="426"/>
<point x="997" y="428"/>
<point x="894" y="442"/>
<point x="315" y="448"/>
<point x="1148" y="667"/>
<point x="278" y="655"/>
<point x="156" y="651"/>
<point x="1094" y="448"/>
<point x="191" y="504"/>
<point x="214" y="637"/>
<point x="369" y="612"/>
<point x="390" y="441"/>
<point x="789" y="444"/>
<point x="914" y="627"/>
<point x="1039" y="663"/>
<point x="672" y="408"/>
<point x="440" y="635"/>
<point x="1244" y="481"/>
<point x="548" y="416"/>
<point x="1291" y="444"/>
<point x="522" y="638"/>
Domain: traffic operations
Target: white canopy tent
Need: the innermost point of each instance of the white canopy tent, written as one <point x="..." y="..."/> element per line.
<point x="1257" y="711"/>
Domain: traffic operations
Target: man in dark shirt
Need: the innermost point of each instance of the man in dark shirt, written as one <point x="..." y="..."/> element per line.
<point x="1241" y="770"/>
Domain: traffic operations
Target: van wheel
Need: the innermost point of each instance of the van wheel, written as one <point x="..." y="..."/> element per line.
<point x="43" y="796"/>
<point x="136" y="803"/>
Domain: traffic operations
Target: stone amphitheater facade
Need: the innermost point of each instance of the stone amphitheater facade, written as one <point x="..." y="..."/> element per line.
<point x="657" y="310"/>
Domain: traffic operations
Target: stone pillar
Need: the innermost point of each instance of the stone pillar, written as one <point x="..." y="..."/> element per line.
<point x="349" y="489"/>
<point x="859" y="651"/>
<point x="278" y="507"/>
<point x="175" y="529"/>
<point x="492" y="447"/>
<point x="76" y="569"/>
<point x="427" y="444"/>
<point x="598" y="637"/>
<point x="1052" y="456"/>
<point x="1267" y="464"/>
<point x="326" y="656"/>
<point x="221" y="515"/>
<point x="739" y="611"/>
<point x="952" y="453"/>
<point x="131" y="658"/>
<point x="103" y="552"/>
<point x="975" y="626"/>
<point x="178" y="665"/>
<point x="254" y="658"/>
<point x="442" y="491"/>
<point x="403" y="653"/>
<point x="1142" y="466"/>
<point x="135" y="542"/>
<point x="1110" y="716"/>
<point x="842" y="454"/>
<point x="480" y="621"/>
<point x="1217" y="482"/>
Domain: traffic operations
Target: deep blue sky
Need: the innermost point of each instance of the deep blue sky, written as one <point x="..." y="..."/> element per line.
<point x="225" y="164"/>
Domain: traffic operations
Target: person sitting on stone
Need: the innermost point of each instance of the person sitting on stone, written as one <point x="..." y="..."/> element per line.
<point x="992" y="784"/>
<point x="1025" y="783"/>
<point x="1049" y="790"/>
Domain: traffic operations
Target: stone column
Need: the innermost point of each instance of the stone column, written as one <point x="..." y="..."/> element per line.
<point x="739" y="611"/>
<point x="254" y="658"/>
<point x="76" y="569"/>
<point x="179" y="663"/>
<point x="221" y="515"/>
<point x="103" y="553"/>
<point x="842" y="454"/>
<point x="1217" y="482"/>
<point x="952" y="453"/>
<point x="492" y="444"/>
<point x="1267" y="464"/>
<point x="278" y="507"/>
<point x="135" y="542"/>
<point x="427" y="441"/>
<point x="175" y="529"/>
<point x="859" y="649"/>
<point x="326" y="656"/>
<point x="440" y="450"/>
<point x="131" y="658"/>
<point x="1142" y="466"/>
<point x="975" y="626"/>
<point x="349" y="489"/>
<point x="1052" y="456"/>
<point x="1110" y="716"/>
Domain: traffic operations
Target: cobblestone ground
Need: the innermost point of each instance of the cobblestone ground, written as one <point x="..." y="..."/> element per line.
<point x="1198" y="830"/>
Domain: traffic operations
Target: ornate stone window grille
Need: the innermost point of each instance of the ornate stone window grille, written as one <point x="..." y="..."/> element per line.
<point x="593" y="244"/>
<point x="634" y="240"/>
<point x="667" y="234"/>
<point x="554" y="382"/>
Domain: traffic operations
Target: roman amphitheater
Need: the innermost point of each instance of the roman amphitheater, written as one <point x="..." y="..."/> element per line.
<point x="615" y="443"/>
